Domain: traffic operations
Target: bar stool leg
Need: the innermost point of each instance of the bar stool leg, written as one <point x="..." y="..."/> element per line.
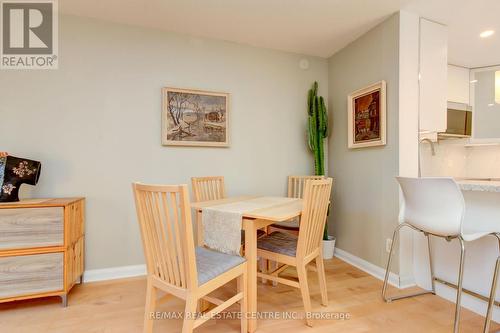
<point x="395" y="239"/>
<point x="491" y="302"/>
<point x="456" y="326"/>
<point x="431" y="267"/>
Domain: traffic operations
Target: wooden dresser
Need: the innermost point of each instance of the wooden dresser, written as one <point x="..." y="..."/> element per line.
<point x="41" y="248"/>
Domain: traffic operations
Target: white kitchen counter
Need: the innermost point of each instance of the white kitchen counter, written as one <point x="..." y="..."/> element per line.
<point x="479" y="185"/>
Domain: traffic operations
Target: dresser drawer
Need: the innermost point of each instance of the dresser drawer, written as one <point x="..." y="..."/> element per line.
<point x="31" y="274"/>
<point x="31" y="227"/>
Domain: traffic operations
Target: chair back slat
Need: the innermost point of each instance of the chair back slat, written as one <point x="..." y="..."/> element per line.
<point x="165" y="219"/>
<point x="296" y="185"/>
<point x="169" y="237"/>
<point x="208" y="188"/>
<point x="314" y="214"/>
<point x="181" y="236"/>
<point x="156" y="231"/>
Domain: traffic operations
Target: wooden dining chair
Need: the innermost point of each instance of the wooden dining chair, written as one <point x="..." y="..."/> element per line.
<point x="175" y="265"/>
<point x="296" y="186"/>
<point x="208" y="188"/>
<point x="290" y="250"/>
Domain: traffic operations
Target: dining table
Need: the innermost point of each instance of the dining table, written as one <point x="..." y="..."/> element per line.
<point x="282" y="210"/>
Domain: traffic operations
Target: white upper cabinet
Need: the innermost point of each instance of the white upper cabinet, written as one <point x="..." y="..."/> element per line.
<point x="458" y="84"/>
<point x="433" y="76"/>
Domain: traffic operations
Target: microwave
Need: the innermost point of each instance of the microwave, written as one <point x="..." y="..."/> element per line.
<point x="459" y="122"/>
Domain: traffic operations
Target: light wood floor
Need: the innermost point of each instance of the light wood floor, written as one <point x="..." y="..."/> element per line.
<point x="118" y="306"/>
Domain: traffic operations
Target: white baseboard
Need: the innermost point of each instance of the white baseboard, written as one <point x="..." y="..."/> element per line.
<point x="113" y="273"/>
<point x="372" y="269"/>
<point x="122" y="272"/>
<point x="468" y="302"/>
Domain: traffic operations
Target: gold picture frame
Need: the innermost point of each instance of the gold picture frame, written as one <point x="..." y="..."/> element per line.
<point x="195" y="118"/>
<point x="367" y="116"/>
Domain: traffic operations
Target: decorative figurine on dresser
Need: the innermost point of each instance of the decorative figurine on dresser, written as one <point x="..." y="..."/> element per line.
<point x="14" y="172"/>
<point x="41" y="240"/>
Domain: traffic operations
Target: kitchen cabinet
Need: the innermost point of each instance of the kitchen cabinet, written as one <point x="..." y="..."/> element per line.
<point x="433" y="80"/>
<point x="458" y="84"/>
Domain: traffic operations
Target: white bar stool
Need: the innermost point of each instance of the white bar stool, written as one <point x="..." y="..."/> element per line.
<point x="436" y="207"/>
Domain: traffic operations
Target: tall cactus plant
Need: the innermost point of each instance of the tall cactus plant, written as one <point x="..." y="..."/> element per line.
<point x="318" y="131"/>
<point x="318" y="128"/>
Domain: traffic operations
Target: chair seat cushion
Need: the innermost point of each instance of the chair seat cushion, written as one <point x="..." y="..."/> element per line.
<point x="260" y="233"/>
<point x="279" y="242"/>
<point x="292" y="224"/>
<point x="210" y="263"/>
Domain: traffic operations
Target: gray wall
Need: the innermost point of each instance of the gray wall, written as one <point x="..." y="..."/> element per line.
<point x="95" y="122"/>
<point x="365" y="196"/>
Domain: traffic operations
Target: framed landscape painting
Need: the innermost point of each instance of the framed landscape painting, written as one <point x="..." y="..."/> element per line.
<point x="367" y="116"/>
<point x="195" y="118"/>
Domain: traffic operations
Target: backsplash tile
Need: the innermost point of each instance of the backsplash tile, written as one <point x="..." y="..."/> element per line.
<point x="454" y="159"/>
<point x="483" y="162"/>
<point x="450" y="159"/>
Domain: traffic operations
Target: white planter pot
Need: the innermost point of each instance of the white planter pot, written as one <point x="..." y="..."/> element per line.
<point x="328" y="247"/>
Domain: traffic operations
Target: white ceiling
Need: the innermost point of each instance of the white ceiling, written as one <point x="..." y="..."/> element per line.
<point x="312" y="27"/>
<point x="465" y="19"/>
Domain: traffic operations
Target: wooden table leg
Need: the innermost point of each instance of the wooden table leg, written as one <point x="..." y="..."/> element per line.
<point x="199" y="229"/>
<point x="251" y="256"/>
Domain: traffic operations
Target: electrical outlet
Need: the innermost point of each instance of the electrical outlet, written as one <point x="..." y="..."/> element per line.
<point x="388" y="245"/>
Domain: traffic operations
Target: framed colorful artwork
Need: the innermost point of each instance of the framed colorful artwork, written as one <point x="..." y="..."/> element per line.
<point x="195" y="118"/>
<point x="367" y="116"/>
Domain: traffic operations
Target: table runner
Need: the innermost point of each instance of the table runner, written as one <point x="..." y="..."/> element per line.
<point x="222" y="223"/>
